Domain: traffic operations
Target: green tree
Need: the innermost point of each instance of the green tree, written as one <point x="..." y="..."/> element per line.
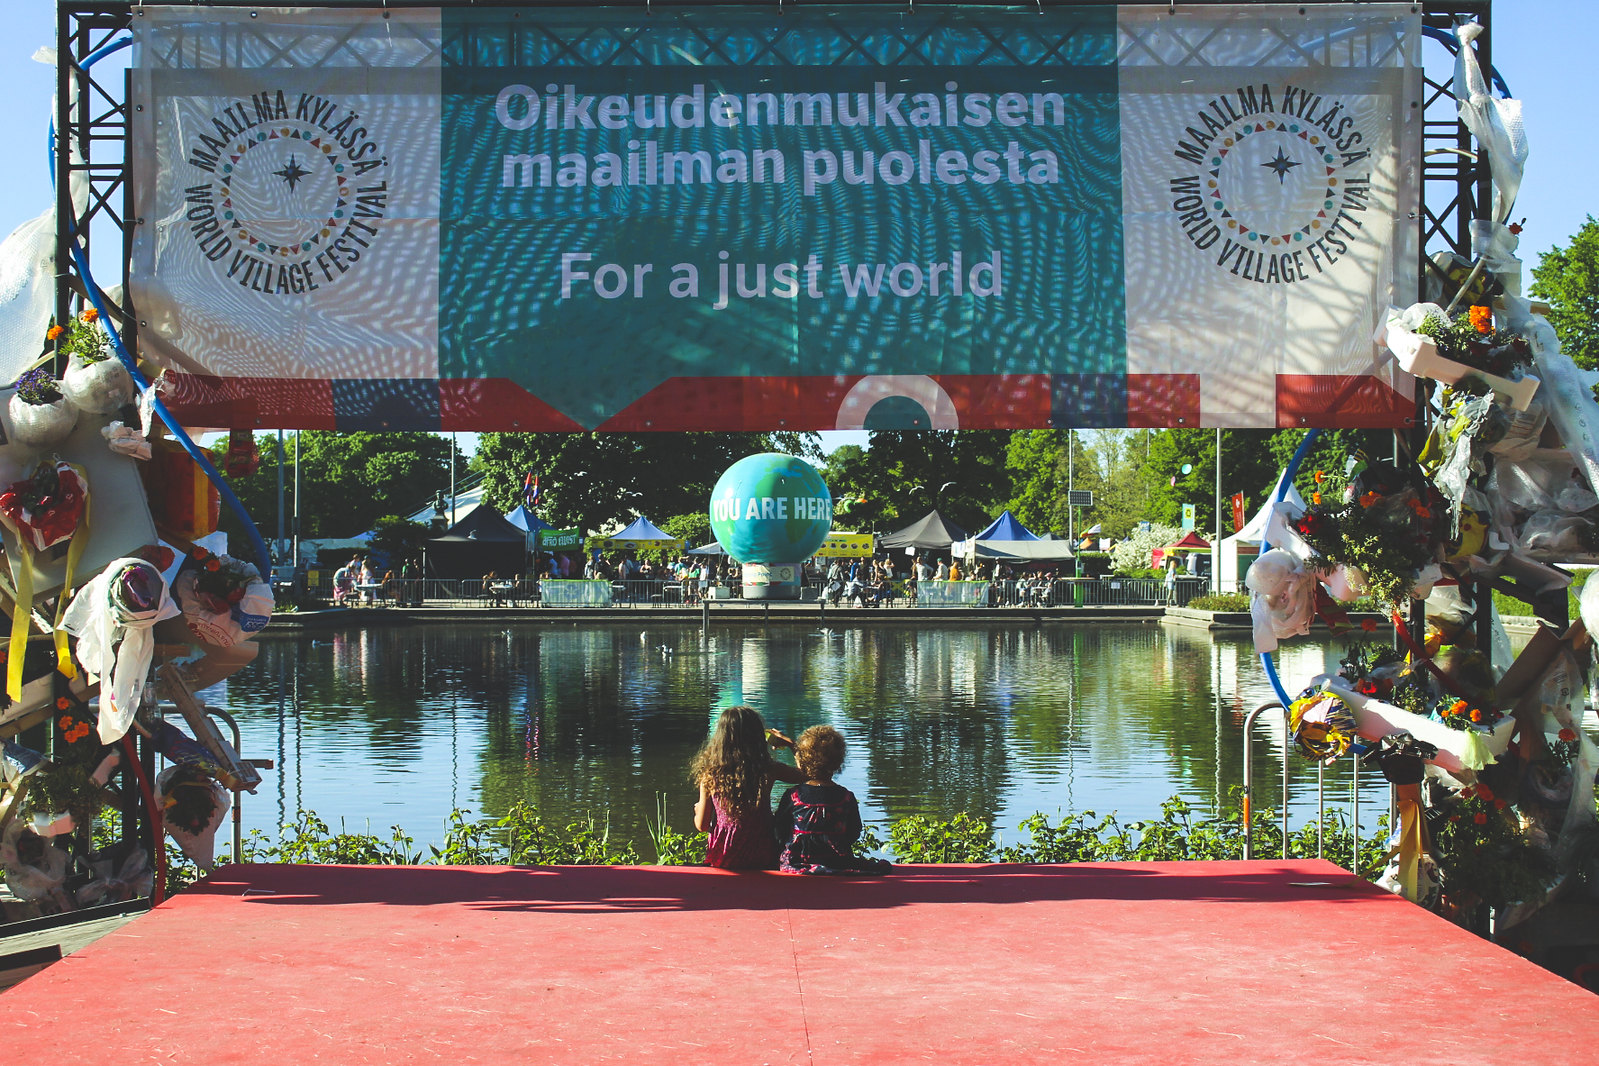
<point x="1035" y="459"/>
<point x="692" y="529"/>
<point x="347" y="480"/>
<point x="962" y="473"/>
<point x="595" y="480"/>
<point x="397" y="539"/>
<point x="1115" y="474"/>
<point x="1568" y="278"/>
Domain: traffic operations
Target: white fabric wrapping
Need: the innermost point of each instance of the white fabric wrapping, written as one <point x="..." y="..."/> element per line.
<point x="115" y="642"/>
<point x="1496" y="123"/>
<point x="1284" y="598"/>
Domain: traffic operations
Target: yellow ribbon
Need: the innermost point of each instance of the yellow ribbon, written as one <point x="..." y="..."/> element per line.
<point x="18" y="650"/>
<point x="18" y="647"/>
<point x="75" y="549"/>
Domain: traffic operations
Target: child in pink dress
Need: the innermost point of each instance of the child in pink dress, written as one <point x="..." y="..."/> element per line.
<point x="735" y="773"/>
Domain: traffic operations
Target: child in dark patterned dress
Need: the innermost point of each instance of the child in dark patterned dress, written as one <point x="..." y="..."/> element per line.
<point x="735" y="773"/>
<point x="818" y="822"/>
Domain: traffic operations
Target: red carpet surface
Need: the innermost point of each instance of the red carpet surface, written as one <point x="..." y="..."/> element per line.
<point x="1261" y="962"/>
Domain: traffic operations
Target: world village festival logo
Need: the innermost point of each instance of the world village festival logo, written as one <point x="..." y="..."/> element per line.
<point x="1280" y="181"/>
<point x="296" y="186"/>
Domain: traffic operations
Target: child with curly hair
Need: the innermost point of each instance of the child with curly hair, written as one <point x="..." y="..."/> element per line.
<point x="818" y="822"/>
<point x="735" y="773"/>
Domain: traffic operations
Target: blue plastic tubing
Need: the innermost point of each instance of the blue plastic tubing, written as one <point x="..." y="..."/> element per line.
<point x="98" y="301"/>
<point x="1265" y="546"/>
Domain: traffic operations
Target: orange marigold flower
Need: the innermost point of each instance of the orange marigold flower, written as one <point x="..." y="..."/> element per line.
<point x="1457" y="707"/>
<point x="53" y="333"/>
<point x="1315" y="498"/>
<point x="1480" y="818"/>
<point x="89" y="314"/>
<point x="1369" y="625"/>
<point x="66" y="721"/>
<point x="1476" y="716"/>
<point x="62" y="703"/>
<point x="1320" y="477"/>
<point x="1568" y="735"/>
<point x="1482" y="319"/>
<point x="212" y="565"/>
<point x="1369" y="498"/>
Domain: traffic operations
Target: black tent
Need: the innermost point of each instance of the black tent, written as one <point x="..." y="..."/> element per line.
<point x="932" y="533"/>
<point x="480" y="542"/>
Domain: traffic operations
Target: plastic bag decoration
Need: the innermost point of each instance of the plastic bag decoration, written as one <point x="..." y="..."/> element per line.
<point x="223" y="599"/>
<point x="192" y="809"/>
<point x="42" y="511"/>
<point x="1285" y="598"/>
<point x="112" y="617"/>
<point x="1323" y="725"/>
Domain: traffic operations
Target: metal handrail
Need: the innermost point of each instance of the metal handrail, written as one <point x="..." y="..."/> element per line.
<point x="238" y="797"/>
<point x="1249" y="778"/>
<point x="1321" y="791"/>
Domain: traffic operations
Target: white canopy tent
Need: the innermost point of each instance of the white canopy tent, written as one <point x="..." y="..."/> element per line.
<point x="1246" y="542"/>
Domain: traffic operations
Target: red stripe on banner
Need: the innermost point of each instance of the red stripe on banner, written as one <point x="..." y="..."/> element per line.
<point x="982" y="401"/>
<point x="726" y="403"/>
<point x="1000" y="401"/>
<point x="248" y="403"/>
<point x="1162" y="401"/>
<point x="497" y="405"/>
<point x="1342" y="401"/>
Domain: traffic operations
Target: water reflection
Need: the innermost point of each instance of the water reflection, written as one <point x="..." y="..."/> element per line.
<point x="397" y="726"/>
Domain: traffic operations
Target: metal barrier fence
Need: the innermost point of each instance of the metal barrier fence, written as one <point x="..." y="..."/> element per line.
<point x="1321" y="790"/>
<point x="476" y="592"/>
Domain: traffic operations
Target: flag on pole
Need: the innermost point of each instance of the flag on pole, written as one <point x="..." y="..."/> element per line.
<point x="530" y="490"/>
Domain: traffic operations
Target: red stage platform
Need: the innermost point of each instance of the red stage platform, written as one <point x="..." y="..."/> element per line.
<point x="1119" y="963"/>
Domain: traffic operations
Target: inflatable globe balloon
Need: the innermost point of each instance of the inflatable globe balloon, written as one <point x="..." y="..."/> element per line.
<point x="771" y="508"/>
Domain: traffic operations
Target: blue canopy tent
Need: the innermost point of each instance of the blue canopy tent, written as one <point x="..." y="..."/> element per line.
<point x="529" y="523"/>
<point x="1005" y="527"/>
<point x="642" y="534"/>
<point x="524" y="519"/>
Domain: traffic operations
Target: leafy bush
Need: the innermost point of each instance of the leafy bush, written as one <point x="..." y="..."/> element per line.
<point x="1221" y="601"/>
<point x="521" y="838"/>
<point x="958" y="839"/>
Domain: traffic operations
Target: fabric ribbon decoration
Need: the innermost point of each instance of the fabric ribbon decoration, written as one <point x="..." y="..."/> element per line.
<point x="112" y="617"/>
<point x="1403" y="760"/>
<point x="1284" y="600"/>
<point x="41" y="512"/>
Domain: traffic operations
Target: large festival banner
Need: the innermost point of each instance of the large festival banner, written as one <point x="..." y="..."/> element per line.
<point x="734" y="218"/>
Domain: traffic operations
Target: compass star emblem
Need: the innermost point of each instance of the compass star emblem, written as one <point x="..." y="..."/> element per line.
<point x="1280" y="166"/>
<point x="293" y="172"/>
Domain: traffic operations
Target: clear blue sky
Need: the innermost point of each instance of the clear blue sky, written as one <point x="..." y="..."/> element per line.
<point x="1542" y="47"/>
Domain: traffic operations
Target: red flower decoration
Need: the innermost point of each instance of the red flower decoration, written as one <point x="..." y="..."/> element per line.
<point x="66" y="721"/>
<point x="212" y="565"/>
<point x="1480" y="818"/>
<point x="1369" y="625"/>
<point x="62" y="703"/>
<point x="1568" y="735"/>
<point x="1485" y="792"/>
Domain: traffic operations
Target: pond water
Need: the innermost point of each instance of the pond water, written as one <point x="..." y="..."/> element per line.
<point x="397" y="726"/>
